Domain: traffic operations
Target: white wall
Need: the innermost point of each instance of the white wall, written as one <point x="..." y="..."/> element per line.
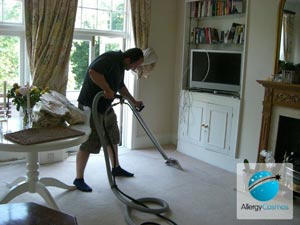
<point x="260" y="57"/>
<point x="157" y="91"/>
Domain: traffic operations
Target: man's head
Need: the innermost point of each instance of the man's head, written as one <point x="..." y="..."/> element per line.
<point x="133" y="58"/>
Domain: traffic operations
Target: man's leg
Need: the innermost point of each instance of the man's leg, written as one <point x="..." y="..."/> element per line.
<point x="117" y="171"/>
<point x="113" y="156"/>
<point x="81" y="161"/>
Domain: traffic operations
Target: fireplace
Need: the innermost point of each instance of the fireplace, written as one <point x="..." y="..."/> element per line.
<point x="280" y="99"/>
<point x="280" y="127"/>
<point x="288" y="138"/>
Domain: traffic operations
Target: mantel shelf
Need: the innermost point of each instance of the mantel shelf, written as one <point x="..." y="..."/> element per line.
<point x="280" y="86"/>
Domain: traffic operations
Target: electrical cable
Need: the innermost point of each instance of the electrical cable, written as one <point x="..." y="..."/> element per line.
<point x="208" y="67"/>
<point x="137" y="204"/>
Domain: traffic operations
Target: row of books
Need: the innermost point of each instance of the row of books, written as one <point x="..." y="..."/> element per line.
<point x="206" y="8"/>
<point x="204" y="35"/>
<point x="209" y="35"/>
<point x="236" y="33"/>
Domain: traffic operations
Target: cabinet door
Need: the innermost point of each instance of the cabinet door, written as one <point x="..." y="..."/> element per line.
<point x="217" y="131"/>
<point x="195" y="122"/>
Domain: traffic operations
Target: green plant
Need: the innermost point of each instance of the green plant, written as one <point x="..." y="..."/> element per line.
<point x="297" y="67"/>
<point x="288" y="66"/>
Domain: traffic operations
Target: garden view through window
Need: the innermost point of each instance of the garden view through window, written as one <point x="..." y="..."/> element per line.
<point x="100" y="26"/>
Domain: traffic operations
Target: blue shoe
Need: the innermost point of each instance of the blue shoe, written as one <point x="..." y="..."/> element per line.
<point x="81" y="185"/>
<point x="119" y="172"/>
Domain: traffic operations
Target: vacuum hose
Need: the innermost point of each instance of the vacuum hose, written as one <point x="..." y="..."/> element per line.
<point x="137" y="204"/>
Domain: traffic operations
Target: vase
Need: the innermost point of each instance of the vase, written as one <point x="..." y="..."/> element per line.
<point x="27" y="119"/>
<point x="290" y="77"/>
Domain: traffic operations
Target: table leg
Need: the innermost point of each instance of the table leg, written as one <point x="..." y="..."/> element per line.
<point x="33" y="184"/>
<point x="47" y="181"/>
<point x="43" y="191"/>
<point x="23" y="187"/>
<point x="14" y="192"/>
<point x="16" y="181"/>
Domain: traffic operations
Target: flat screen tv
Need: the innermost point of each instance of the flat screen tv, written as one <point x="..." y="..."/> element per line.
<point x="215" y="71"/>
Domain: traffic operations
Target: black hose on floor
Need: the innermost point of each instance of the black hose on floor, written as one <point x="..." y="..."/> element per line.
<point x="131" y="203"/>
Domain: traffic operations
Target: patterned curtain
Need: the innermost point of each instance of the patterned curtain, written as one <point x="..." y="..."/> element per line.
<point x="49" y="33"/>
<point x="287" y="35"/>
<point x="141" y="17"/>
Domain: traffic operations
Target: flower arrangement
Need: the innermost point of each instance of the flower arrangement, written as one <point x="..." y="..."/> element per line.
<point x="21" y="94"/>
<point x="25" y="97"/>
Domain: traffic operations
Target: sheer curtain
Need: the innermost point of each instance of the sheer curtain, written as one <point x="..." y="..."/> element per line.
<point x="49" y="33"/>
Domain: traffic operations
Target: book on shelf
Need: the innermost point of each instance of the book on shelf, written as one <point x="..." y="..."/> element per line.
<point x="207" y="8"/>
<point x="205" y="35"/>
<point x="235" y="34"/>
<point x="236" y="6"/>
<point x="214" y="36"/>
<point x="210" y="35"/>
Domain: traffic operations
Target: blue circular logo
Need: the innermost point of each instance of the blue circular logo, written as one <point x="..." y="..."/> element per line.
<point x="263" y="186"/>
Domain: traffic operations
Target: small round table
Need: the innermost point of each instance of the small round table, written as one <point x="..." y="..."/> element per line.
<point x="31" y="182"/>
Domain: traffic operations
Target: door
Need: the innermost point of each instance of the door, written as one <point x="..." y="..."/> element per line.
<point x="196" y="122"/>
<point x="218" y="127"/>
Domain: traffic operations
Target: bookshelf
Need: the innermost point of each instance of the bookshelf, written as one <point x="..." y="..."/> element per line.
<point x="208" y="121"/>
<point x="213" y="25"/>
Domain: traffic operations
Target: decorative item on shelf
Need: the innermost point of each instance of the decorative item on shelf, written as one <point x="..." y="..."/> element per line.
<point x="290" y="72"/>
<point x="25" y="97"/>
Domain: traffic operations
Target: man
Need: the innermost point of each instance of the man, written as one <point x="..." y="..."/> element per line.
<point x="106" y="73"/>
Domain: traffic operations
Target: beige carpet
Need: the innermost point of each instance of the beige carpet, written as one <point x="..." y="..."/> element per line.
<point x="200" y="195"/>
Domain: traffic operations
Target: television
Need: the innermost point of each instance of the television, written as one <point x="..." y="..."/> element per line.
<point x="215" y="71"/>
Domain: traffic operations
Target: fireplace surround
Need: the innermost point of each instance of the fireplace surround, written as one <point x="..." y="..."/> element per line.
<point x="280" y="125"/>
<point x="278" y="96"/>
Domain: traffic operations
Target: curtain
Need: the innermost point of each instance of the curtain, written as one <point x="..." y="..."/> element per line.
<point x="287" y="36"/>
<point x="49" y="34"/>
<point x="141" y="17"/>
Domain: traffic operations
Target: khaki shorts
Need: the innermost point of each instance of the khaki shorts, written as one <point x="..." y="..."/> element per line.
<point x="93" y="144"/>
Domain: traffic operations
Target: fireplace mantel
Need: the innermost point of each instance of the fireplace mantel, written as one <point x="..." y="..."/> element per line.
<point x="276" y="94"/>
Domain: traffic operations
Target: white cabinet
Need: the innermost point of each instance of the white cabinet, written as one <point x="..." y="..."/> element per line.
<point x="209" y="122"/>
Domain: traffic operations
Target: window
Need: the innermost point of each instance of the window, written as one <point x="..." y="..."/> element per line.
<point x="100" y="26"/>
<point x="11" y="11"/>
<point x="107" y="15"/>
<point x="12" y="42"/>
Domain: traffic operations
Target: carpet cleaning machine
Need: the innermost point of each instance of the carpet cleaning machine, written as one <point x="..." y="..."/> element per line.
<point x="131" y="203"/>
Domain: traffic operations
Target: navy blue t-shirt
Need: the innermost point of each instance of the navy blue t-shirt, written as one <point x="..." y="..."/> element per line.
<point x="109" y="64"/>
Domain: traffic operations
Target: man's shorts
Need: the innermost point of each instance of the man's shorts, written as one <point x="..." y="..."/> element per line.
<point x="93" y="144"/>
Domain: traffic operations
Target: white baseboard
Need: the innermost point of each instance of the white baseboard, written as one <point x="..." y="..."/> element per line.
<point x="145" y="141"/>
<point x="214" y="158"/>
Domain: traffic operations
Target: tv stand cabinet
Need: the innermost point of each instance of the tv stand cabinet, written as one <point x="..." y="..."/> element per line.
<point x="208" y="125"/>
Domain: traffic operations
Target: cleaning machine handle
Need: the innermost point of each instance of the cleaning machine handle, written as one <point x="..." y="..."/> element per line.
<point x="138" y="108"/>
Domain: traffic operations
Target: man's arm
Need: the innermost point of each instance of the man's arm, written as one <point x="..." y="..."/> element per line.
<point x="100" y="81"/>
<point x="125" y="93"/>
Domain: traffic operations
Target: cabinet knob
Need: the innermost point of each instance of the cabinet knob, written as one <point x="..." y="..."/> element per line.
<point x="204" y="125"/>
